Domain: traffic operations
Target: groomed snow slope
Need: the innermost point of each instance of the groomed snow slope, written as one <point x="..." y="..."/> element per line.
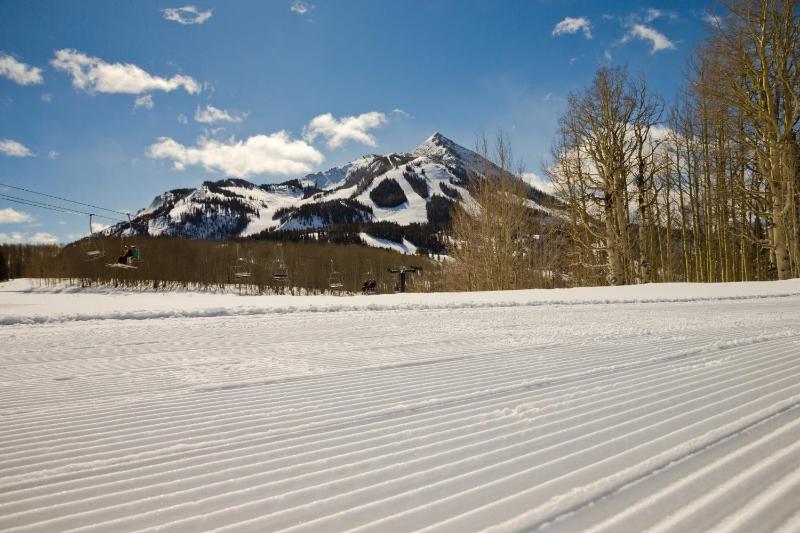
<point x="673" y="407"/>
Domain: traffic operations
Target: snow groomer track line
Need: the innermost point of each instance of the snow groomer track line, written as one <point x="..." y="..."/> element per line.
<point x="486" y="412"/>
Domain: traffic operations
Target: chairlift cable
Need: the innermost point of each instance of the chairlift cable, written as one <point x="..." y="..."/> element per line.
<point x="63" y="199"/>
<point x="51" y="207"/>
<point x="35" y="204"/>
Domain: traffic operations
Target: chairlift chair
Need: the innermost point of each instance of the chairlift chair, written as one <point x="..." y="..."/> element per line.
<point x="137" y="251"/>
<point x="92" y="247"/>
<point x="130" y="256"/>
<point x="242" y="268"/>
<point x="136" y="256"/>
<point x="280" y="273"/>
<point x="335" y="278"/>
<point x="371" y="284"/>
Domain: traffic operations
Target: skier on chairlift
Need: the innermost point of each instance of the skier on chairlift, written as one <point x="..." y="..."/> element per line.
<point x="124" y="256"/>
<point x="369" y="286"/>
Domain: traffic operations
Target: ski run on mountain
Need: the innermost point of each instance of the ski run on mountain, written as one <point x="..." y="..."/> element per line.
<point x="671" y="407"/>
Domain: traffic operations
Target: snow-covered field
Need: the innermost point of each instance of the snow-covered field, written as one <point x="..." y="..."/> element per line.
<point x="671" y="407"/>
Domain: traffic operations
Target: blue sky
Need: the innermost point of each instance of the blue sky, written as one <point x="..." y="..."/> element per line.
<point x="112" y="102"/>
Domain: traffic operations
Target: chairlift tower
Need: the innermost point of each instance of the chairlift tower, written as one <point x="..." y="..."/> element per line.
<point x="401" y="274"/>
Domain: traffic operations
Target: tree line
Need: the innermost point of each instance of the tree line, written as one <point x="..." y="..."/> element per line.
<point x="248" y="266"/>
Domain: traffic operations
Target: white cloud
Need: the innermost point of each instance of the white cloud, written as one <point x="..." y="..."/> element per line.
<point x="658" y="40"/>
<point x="573" y="25"/>
<point x="52" y="154"/>
<point x="211" y="114"/>
<point x="145" y="101"/>
<point x="12" y="216"/>
<point x="339" y="131"/>
<point x="93" y="75"/>
<point x="12" y="238"/>
<point x="660" y="132"/>
<point x="19" y="72"/>
<point x="183" y="119"/>
<point x="300" y="7"/>
<point x="43" y="238"/>
<point x="96" y="227"/>
<point x="47" y="98"/>
<point x="536" y="181"/>
<point x="648" y="15"/>
<point x="550" y="97"/>
<point x="276" y="154"/>
<point x="712" y="19"/>
<point x="213" y="132"/>
<point x="14" y="149"/>
<point x="399" y="112"/>
<point x="186" y="15"/>
<point x="37" y="238"/>
<point x="652" y="14"/>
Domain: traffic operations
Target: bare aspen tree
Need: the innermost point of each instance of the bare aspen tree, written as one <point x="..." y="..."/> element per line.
<point x="647" y="162"/>
<point x="492" y="232"/>
<point x="761" y="45"/>
<point x="606" y="147"/>
<point x="584" y="253"/>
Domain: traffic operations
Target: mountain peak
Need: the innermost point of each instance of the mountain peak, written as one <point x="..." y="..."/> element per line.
<point x="437" y="139"/>
<point x="438" y="144"/>
<point x="451" y="154"/>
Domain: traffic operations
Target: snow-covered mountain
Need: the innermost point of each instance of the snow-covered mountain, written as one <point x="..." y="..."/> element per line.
<point x="403" y="188"/>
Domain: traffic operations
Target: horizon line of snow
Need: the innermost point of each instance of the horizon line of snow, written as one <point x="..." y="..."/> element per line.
<point x="339" y="308"/>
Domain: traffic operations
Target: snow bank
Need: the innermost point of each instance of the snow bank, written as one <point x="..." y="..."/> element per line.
<point x="21" y="302"/>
